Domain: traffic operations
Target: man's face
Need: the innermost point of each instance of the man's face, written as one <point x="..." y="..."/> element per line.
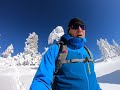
<point x="77" y="32"/>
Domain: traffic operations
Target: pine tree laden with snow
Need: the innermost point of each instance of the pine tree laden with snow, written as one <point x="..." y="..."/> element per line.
<point x="108" y="51"/>
<point x="116" y="47"/>
<point x="31" y="54"/>
<point x="55" y="34"/>
<point x="7" y="53"/>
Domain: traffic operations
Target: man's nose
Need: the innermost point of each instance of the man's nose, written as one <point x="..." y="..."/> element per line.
<point x="80" y="29"/>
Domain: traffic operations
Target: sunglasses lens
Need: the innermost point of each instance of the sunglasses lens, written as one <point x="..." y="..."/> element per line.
<point x="76" y="26"/>
<point x="82" y="27"/>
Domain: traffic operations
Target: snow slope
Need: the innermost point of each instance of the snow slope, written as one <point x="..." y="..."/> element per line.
<point x="20" y="77"/>
<point x="108" y="74"/>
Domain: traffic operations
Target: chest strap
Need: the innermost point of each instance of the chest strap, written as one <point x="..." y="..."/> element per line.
<point x="77" y="60"/>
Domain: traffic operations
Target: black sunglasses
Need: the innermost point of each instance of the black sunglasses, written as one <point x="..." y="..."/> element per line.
<point x="76" y="26"/>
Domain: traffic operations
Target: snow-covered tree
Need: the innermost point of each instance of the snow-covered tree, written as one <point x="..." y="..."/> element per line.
<point x="116" y="47"/>
<point x="7" y="53"/>
<point x="55" y="34"/>
<point x="30" y="56"/>
<point x="102" y="48"/>
<point x="111" y="49"/>
<point x="107" y="50"/>
<point x="31" y="44"/>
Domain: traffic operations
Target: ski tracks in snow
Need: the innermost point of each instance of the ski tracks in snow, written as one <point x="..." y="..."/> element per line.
<point x="19" y="84"/>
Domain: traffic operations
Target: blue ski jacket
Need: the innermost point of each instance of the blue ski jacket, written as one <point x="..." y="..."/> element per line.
<point x="72" y="76"/>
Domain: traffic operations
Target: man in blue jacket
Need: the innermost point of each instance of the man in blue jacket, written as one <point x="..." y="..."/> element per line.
<point x="71" y="68"/>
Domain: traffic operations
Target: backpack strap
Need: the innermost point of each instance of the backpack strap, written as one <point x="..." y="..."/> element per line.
<point x="63" y="52"/>
<point x="89" y="52"/>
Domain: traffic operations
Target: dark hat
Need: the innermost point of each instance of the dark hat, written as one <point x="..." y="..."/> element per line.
<point x="73" y="21"/>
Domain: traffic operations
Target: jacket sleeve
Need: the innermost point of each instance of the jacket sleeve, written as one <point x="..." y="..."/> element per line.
<point x="44" y="75"/>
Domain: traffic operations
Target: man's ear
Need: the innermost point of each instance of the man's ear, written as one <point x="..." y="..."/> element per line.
<point x="68" y="30"/>
<point x="69" y="33"/>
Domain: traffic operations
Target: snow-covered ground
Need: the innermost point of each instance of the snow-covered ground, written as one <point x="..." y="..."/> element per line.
<point x="20" y="77"/>
<point x="16" y="77"/>
<point x="108" y="74"/>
